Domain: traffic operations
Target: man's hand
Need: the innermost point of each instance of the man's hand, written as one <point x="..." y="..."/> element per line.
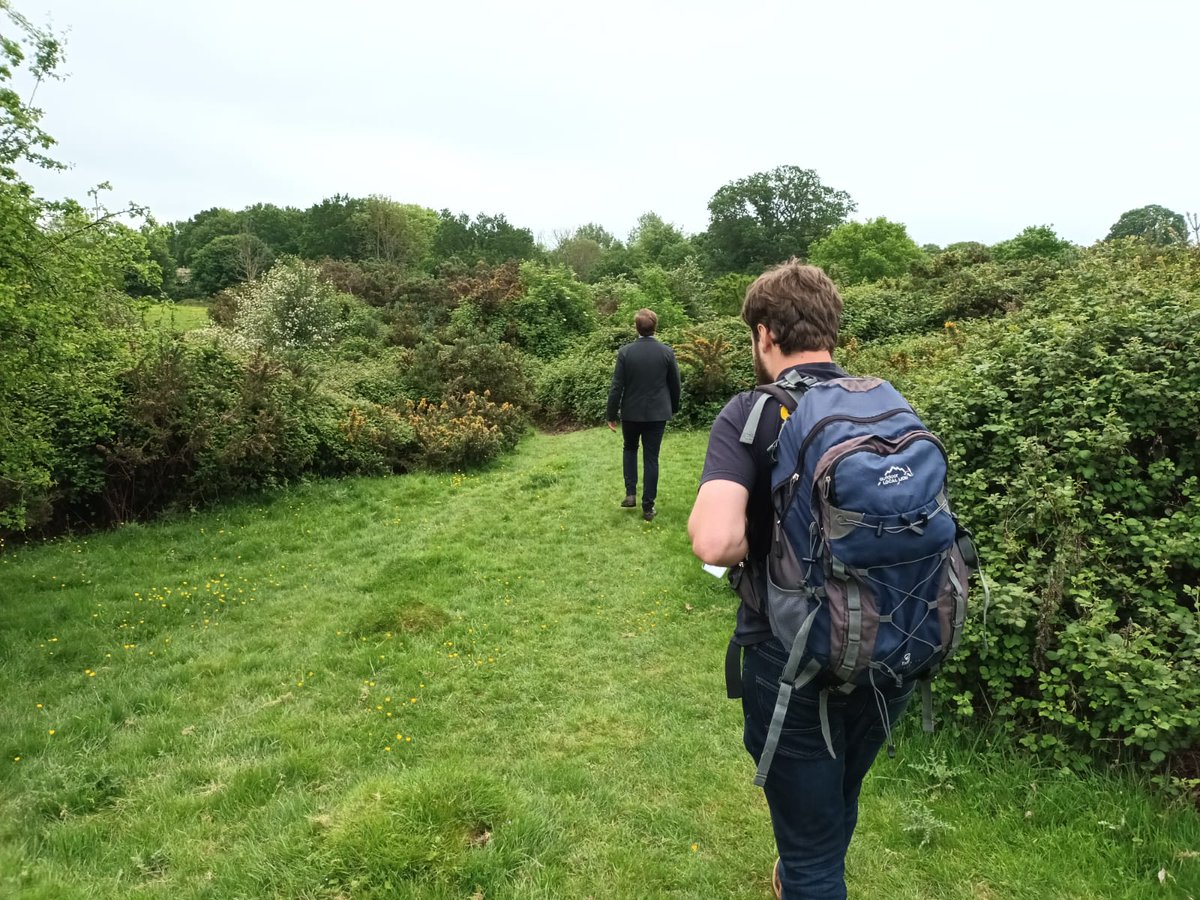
<point x="612" y="426"/>
<point x="717" y="525"/>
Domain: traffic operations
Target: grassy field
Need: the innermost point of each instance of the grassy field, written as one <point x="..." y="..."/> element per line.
<point x="466" y="686"/>
<point x="178" y="316"/>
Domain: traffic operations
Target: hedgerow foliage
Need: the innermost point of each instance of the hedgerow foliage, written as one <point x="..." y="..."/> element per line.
<point x="574" y="386"/>
<point x="1073" y="426"/>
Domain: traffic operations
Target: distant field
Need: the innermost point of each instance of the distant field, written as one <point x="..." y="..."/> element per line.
<point x="494" y="685"/>
<point x="178" y="316"/>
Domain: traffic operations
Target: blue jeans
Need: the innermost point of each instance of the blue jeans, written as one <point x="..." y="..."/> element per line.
<point x="651" y="435"/>
<point x="813" y="797"/>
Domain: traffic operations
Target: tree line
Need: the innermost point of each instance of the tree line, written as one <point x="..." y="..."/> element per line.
<point x="755" y="222"/>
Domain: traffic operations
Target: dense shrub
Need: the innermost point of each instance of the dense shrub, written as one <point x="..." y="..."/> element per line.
<point x="553" y="309"/>
<point x="292" y="307"/>
<point x="956" y="286"/>
<point x="1074" y="431"/>
<point x="64" y="330"/>
<point x="653" y="292"/>
<point x="715" y="362"/>
<point x="366" y="372"/>
<point x="463" y="431"/>
<point x="573" y="388"/>
<point x="198" y="423"/>
<point x="466" y="362"/>
<point x="727" y="292"/>
<point x="886" y="309"/>
<point x="371" y="439"/>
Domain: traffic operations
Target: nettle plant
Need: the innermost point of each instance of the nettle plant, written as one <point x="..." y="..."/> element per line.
<point x="1073" y="427"/>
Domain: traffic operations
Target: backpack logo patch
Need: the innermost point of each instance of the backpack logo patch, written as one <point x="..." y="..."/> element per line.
<point x="895" y="475"/>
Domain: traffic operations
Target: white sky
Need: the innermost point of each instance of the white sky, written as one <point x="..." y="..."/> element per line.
<point x="964" y="120"/>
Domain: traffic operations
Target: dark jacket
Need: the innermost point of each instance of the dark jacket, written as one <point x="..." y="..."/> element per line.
<point x="645" y="383"/>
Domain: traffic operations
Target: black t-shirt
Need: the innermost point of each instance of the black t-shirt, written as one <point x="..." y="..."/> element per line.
<point x="749" y="465"/>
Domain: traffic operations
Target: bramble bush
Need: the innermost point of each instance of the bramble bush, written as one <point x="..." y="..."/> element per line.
<point x="1073" y="426"/>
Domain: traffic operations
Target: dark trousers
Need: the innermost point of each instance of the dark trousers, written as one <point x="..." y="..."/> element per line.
<point x="651" y="435"/>
<point x="813" y="797"/>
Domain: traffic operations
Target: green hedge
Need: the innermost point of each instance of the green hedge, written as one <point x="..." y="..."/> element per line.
<point x="1073" y="427"/>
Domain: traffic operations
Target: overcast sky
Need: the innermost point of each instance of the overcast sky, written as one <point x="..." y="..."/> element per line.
<point x="963" y="120"/>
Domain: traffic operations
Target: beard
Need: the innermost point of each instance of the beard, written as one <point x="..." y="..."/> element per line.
<point x="761" y="375"/>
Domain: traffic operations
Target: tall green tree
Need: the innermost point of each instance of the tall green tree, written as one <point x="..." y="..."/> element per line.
<point x="656" y="242"/>
<point x="865" y="251"/>
<point x="193" y="235"/>
<point x="1034" y="242"/>
<point x="768" y="217"/>
<point x="402" y="234"/>
<point x="330" y="230"/>
<point x="1153" y="224"/>
<point x="228" y="260"/>
<point x="583" y="249"/>
<point x="279" y="227"/>
<point x="579" y="254"/>
<point x="489" y="239"/>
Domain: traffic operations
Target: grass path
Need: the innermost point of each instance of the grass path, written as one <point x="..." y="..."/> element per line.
<point x="488" y="686"/>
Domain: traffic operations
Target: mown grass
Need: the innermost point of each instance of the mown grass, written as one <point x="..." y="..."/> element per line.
<point x="458" y="686"/>
<point x="179" y="317"/>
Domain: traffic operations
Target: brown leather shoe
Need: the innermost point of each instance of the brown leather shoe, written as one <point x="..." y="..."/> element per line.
<point x="629" y="502"/>
<point x="775" y="882"/>
<point x="649" y="514"/>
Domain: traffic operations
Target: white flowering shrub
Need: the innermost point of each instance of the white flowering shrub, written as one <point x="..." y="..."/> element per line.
<point x="291" y="307"/>
<point x="222" y="338"/>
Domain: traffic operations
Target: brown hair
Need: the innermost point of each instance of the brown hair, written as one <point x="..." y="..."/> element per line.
<point x="798" y="304"/>
<point x="646" y="322"/>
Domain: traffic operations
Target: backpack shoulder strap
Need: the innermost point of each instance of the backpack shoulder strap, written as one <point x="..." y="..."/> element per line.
<point x="787" y="391"/>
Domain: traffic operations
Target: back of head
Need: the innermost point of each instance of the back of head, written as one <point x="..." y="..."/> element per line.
<point x="646" y="322"/>
<point x="798" y="304"/>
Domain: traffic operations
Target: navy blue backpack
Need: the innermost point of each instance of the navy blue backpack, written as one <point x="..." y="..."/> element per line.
<point x="868" y="568"/>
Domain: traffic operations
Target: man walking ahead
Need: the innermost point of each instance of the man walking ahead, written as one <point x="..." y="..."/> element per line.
<point x="645" y="388"/>
<point x="793" y="312"/>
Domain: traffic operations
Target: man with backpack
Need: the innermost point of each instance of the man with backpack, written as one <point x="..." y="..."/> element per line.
<point x="645" y="388"/>
<point x="826" y="496"/>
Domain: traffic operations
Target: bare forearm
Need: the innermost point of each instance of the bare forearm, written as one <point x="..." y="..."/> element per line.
<point x="717" y="525"/>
